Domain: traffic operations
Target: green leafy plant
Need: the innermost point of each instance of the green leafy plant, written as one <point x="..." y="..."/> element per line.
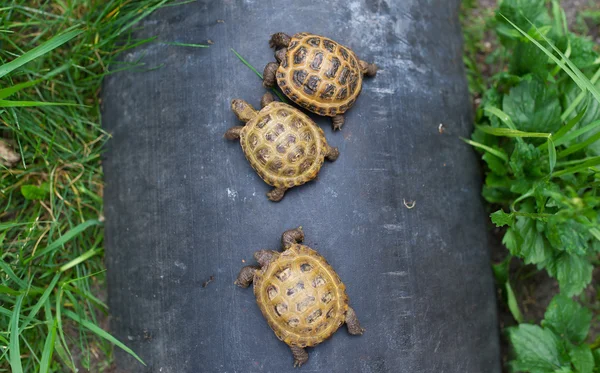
<point x="538" y="133"/>
<point x="558" y="344"/>
<point x="530" y="126"/>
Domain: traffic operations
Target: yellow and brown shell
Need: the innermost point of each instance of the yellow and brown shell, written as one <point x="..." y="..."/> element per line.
<point x="301" y="296"/>
<point x="320" y="74"/>
<point x="283" y="145"/>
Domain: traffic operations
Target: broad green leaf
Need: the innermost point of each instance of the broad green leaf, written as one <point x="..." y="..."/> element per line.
<point x="533" y="107"/>
<point x="38" y="51"/>
<point x="33" y="192"/>
<point x="496" y="165"/>
<point x="569" y="236"/>
<point x="520" y="12"/>
<point x="573" y="272"/>
<point x="501" y="270"/>
<point x="500" y="218"/>
<point x="513" y="305"/>
<point x="568" y="319"/>
<point x="527" y="58"/>
<point x="582" y="358"/>
<point x="533" y="246"/>
<point x="582" y="50"/>
<point x="536" y="349"/>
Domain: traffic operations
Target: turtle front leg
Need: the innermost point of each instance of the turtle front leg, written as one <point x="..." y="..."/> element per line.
<point x="337" y="122"/>
<point x="276" y="194"/>
<point x="269" y="75"/>
<point x="332" y="153"/>
<point x="300" y="355"/>
<point x="279" y="40"/>
<point x="368" y="69"/>
<point x="233" y="133"/>
<point x="292" y="236"/>
<point x="352" y="323"/>
<point x="246" y="276"/>
<point x="266" y="99"/>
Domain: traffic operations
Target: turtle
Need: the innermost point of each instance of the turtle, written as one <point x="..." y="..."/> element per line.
<point x="317" y="73"/>
<point x="283" y="145"/>
<point x="300" y="295"/>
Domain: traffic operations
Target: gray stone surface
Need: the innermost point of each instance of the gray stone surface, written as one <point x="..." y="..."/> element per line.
<point x="182" y="203"/>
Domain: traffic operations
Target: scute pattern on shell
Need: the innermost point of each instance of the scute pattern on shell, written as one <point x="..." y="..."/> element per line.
<point x="301" y="296"/>
<point x="284" y="145"/>
<point x="320" y="75"/>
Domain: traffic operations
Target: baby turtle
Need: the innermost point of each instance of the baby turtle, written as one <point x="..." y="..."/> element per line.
<point x="300" y="295"/>
<point x="283" y="145"/>
<point x="317" y="73"/>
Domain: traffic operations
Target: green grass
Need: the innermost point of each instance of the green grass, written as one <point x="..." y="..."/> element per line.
<point x="53" y="56"/>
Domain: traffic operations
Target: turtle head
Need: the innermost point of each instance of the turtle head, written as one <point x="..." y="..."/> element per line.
<point x="264" y="257"/>
<point x="244" y="111"/>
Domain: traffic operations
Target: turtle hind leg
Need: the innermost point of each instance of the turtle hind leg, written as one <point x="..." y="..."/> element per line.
<point x="233" y="133"/>
<point x="246" y="276"/>
<point x="352" y="323"/>
<point x="300" y="356"/>
<point x="279" y="40"/>
<point x="276" y="194"/>
<point x="332" y="153"/>
<point x="368" y="69"/>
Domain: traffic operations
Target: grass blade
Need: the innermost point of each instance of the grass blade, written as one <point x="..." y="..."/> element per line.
<point x="507" y="132"/>
<point x="281" y="97"/>
<point x="497" y="153"/>
<point x="186" y="44"/>
<point x="40" y="302"/>
<point x="67" y="237"/>
<point x="15" y="354"/>
<point x="48" y="348"/>
<point x="551" y="154"/>
<point x="6" y="268"/>
<point x="7" y="103"/>
<point x="575" y="134"/>
<point x="502" y="116"/>
<point x="576" y="147"/>
<point x="591" y="162"/>
<point x="38" y="51"/>
<point x="82" y="258"/>
<point x="101" y="333"/>
<point x="6" y="92"/>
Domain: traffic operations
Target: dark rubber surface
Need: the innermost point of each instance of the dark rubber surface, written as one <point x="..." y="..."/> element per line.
<point x="183" y="204"/>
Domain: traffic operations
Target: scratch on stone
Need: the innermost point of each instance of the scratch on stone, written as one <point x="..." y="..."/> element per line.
<point x="392" y="227"/>
<point x="383" y="91"/>
<point x="232" y="194"/>
<point x="396" y="273"/>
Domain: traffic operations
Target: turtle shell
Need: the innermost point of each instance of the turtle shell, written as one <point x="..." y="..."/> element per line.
<point x="301" y="296"/>
<point x="283" y="145"/>
<point x="320" y="74"/>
